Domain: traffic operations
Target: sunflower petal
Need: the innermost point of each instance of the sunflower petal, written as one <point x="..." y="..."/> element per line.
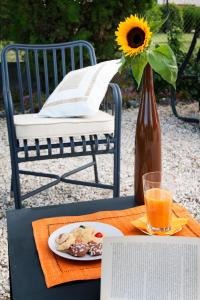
<point x="125" y="27"/>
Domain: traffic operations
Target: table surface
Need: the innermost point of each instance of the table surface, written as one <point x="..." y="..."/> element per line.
<point x="27" y="279"/>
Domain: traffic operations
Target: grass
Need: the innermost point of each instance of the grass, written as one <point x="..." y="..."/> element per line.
<point x="185" y="40"/>
<point x="12" y="54"/>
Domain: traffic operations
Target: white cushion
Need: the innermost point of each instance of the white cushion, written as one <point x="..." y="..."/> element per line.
<point x="81" y="92"/>
<point x="32" y="126"/>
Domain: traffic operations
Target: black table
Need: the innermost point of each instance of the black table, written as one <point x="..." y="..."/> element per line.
<point x="27" y="279"/>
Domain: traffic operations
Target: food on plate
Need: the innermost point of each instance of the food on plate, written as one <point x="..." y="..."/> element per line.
<point x="81" y="241"/>
<point x="78" y="250"/>
<point x="95" y="249"/>
<point x="64" y="241"/>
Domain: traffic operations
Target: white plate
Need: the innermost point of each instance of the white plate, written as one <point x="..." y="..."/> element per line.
<point x="108" y="230"/>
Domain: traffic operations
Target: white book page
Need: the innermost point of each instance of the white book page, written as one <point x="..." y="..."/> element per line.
<point x="150" y="268"/>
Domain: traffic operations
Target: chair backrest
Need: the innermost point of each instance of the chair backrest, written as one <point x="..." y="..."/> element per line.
<point x="36" y="70"/>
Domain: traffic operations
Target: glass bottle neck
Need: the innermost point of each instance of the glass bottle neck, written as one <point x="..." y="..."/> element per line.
<point x="148" y="112"/>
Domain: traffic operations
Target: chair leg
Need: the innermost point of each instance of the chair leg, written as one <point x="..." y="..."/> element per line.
<point x="11" y="187"/>
<point x="15" y="181"/>
<point x="16" y="190"/>
<point x="95" y="168"/>
<point x="116" y="190"/>
<point x="94" y="161"/>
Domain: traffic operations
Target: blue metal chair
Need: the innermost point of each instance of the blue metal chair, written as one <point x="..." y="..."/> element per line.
<point x="39" y="69"/>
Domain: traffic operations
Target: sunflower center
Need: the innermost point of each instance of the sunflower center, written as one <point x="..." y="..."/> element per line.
<point x="135" y="37"/>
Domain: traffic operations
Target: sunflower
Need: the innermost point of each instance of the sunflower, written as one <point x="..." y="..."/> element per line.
<point x="133" y="35"/>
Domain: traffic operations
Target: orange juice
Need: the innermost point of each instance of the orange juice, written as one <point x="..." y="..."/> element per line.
<point x="159" y="207"/>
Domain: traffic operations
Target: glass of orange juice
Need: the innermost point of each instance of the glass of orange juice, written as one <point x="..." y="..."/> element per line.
<point x="158" y="201"/>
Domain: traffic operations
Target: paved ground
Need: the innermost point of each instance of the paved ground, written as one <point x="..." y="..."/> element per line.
<point x="181" y="157"/>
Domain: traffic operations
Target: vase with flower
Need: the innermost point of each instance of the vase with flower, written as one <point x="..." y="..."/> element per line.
<point x="143" y="55"/>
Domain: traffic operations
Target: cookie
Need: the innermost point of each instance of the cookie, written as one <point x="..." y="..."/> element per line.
<point x="84" y="233"/>
<point x="64" y="241"/>
<point x="95" y="249"/>
<point x="78" y="250"/>
<point x="61" y="238"/>
<point x="80" y="240"/>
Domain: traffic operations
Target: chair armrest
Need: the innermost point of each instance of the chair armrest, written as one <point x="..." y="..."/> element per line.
<point x="116" y="97"/>
<point x="116" y="108"/>
<point x="113" y="99"/>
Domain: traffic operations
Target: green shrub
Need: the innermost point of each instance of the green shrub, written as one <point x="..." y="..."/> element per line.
<point x="154" y="14"/>
<point x="65" y="20"/>
<point x="175" y="18"/>
<point x="174" y="35"/>
<point x="188" y="88"/>
<point x="4" y="19"/>
<point x="191" y="18"/>
<point x="173" y="26"/>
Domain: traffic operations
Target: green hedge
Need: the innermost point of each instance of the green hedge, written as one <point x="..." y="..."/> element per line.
<point x="191" y="18"/>
<point x="65" y="20"/>
<point x="175" y="18"/>
<point x="185" y="17"/>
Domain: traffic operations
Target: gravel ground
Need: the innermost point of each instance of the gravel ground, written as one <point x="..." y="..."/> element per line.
<point x="181" y="157"/>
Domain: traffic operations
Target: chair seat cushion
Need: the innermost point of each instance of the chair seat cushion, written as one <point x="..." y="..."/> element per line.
<point x="33" y="126"/>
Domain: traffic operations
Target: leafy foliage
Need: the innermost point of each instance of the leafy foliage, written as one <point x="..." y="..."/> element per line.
<point x="137" y="65"/>
<point x="175" y="18"/>
<point x="163" y="61"/>
<point x="174" y="38"/>
<point x="191" y="18"/>
<point x="187" y="88"/>
<point x="173" y="26"/>
<point x="4" y="21"/>
<point x="49" y="21"/>
<point x="159" y="56"/>
<point x="179" y="18"/>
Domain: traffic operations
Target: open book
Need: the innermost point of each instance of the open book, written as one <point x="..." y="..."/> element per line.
<point x="150" y="268"/>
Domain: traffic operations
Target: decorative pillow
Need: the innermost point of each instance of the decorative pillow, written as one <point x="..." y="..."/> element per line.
<point x="81" y="92"/>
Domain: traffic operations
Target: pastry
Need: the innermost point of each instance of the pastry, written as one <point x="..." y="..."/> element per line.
<point x="64" y="241"/>
<point x="78" y="249"/>
<point x="95" y="249"/>
<point x="80" y="241"/>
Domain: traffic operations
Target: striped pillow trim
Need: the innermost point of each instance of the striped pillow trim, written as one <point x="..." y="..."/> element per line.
<point x="80" y="99"/>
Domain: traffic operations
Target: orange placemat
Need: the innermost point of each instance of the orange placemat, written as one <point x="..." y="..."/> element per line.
<point x="58" y="270"/>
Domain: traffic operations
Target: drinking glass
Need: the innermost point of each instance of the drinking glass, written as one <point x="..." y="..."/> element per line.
<point x="158" y="200"/>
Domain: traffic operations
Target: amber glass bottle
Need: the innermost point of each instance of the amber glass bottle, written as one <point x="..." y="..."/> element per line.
<point x="148" y="136"/>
